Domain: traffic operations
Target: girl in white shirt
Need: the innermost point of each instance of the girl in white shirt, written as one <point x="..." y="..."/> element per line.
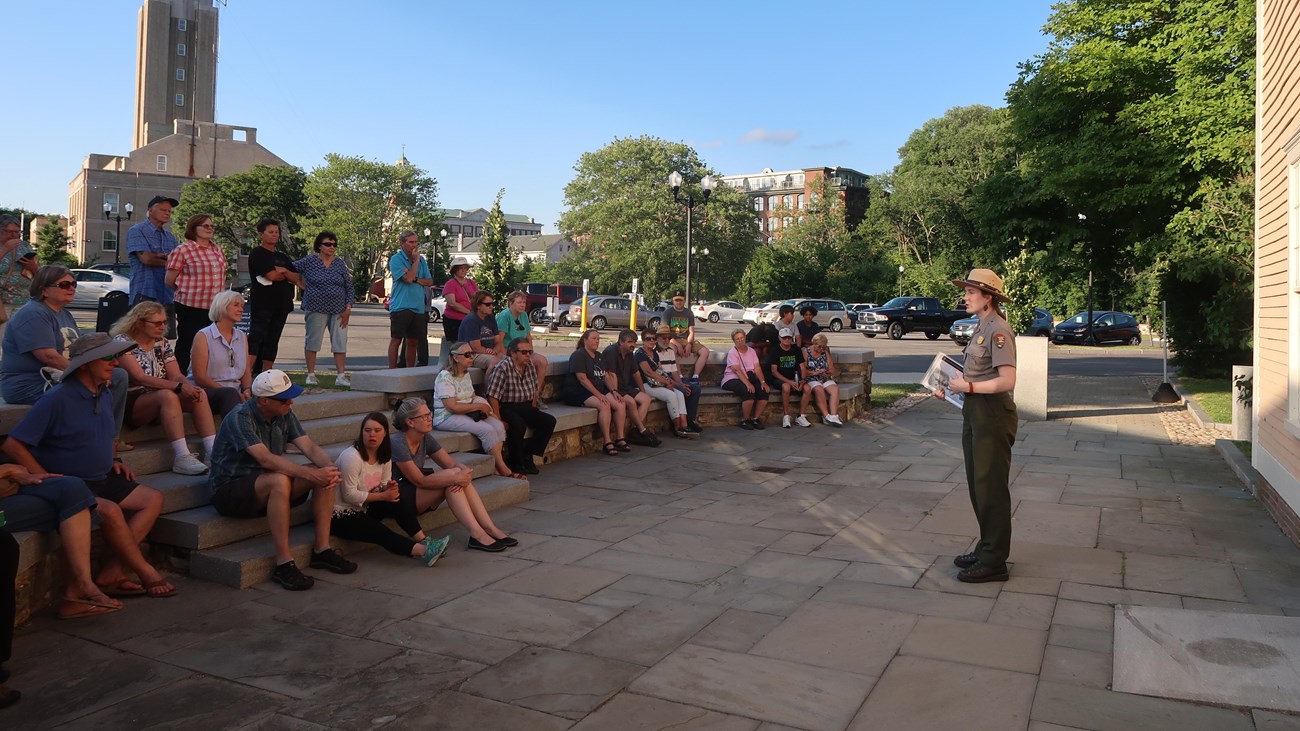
<point x="367" y="494"/>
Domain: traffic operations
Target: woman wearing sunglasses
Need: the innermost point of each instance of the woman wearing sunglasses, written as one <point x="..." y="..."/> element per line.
<point x="327" y="297"/>
<point x="159" y="392"/>
<point x="457" y="408"/>
<point x="36" y="344"/>
<point x="219" y="360"/>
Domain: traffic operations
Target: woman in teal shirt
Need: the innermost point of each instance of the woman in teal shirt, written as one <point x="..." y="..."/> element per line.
<point x="513" y="322"/>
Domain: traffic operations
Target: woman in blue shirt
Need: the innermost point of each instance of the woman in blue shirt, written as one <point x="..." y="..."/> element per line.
<point x="327" y="299"/>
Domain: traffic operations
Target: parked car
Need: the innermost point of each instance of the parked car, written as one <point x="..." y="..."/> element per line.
<point x="1106" y="327"/>
<point x="437" y="303"/>
<point x="95" y="283"/>
<point x="750" y="314"/>
<point x="604" y="311"/>
<point x="720" y="310"/>
<point x="1040" y="327"/>
<point x="831" y="314"/>
<point x="538" y="297"/>
<point x="902" y="315"/>
<point x="121" y="267"/>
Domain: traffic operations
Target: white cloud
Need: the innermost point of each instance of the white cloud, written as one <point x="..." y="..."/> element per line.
<point x="770" y="137"/>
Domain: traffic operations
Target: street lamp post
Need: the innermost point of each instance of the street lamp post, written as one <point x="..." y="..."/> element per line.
<point x="707" y="184"/>
<point x="1091" y="338"/>
<point x="900" y="280"/>
<point x="699" y="265"/>
<point x="109" y="215"/>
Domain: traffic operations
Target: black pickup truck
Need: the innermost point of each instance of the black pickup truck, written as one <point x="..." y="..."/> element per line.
<point x="903" y="315"/>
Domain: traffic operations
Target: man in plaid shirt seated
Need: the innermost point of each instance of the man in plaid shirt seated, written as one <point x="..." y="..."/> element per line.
<point x="512" y="388"/>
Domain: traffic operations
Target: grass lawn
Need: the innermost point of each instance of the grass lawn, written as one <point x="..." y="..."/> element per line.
<point x="884" y="394"/>
<point x="1213" y="394"/>
<point x="1244" y="447"/>
<point x="324" y="379"/>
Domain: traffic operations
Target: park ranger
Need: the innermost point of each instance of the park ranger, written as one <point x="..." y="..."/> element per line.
<point x="988" y="425"/>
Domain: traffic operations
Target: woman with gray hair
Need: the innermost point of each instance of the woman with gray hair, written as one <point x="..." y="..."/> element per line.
<point x="37" y="339"/>
<point x="219" y="359"/>
<point x="457" y="408"/>
<point x="423" y="488"/>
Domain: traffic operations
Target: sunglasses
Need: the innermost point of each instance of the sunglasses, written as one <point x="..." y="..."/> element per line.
<point x="466" y="354"/>
<point x="155" y="323"/>
<point x="329" y="243"/>
<point x="66" y="286"/>
<point x="204" y="225"/>
<point x="488" y="302"/>
<point x="521" y="351"/>
<point x="109" y="358"/>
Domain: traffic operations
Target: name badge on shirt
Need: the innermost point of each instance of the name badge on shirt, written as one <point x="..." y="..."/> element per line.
<point x="979" y="340"/>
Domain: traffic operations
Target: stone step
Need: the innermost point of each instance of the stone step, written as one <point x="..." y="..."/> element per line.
<point x="250" y="561"/>
<point x="201" y="527"/>
<point x="156" y="456"/>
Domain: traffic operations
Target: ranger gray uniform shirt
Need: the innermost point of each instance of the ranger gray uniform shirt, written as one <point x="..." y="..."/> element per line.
<point x="992" y="344"/>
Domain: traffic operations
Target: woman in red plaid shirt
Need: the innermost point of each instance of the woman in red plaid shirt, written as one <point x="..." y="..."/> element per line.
<point x="197" y="271"/>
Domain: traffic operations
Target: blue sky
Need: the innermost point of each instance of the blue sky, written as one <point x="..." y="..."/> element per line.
<point x="509" y="94"/>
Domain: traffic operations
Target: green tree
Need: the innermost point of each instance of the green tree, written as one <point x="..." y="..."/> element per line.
<point x="1140" y="115"/>
<point x="367" y="204"/>
<point x="52" y="246"/>
<point x="498" y="268"/>
<point x="623" y="218"/>
<point x="237" y="202"/>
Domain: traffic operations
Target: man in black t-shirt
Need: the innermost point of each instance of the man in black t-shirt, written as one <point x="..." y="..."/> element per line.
<point x="270" y="298"/>
<point x="619" y="360"/>
<point x="783" y="368"/>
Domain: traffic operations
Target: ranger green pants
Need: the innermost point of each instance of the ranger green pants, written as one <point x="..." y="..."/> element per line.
<point x="987" y="433"/>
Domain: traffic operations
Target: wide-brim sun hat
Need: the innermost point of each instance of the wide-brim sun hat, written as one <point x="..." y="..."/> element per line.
<point x="459" y="261"/>
<point x="92" y="347"/>
<point x="986" y="281"/>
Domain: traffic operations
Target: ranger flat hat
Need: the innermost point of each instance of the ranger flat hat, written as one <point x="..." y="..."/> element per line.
<point x="985" y="281"/>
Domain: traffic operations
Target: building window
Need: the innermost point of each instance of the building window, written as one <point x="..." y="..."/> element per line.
<point x="180" y="74"/>
<point x="453" y="229"/>
<point x="799" y="199"/>
<point x="758" y="203"/>
<point x="180" y="100"/>
<point x="162" y="163"/>
<point x="180" y="49"/>
<point x="111" y="200"/>
<point x="110" y="241"/>
<point x="786" y="201"/>
<point x="182" y="24"/>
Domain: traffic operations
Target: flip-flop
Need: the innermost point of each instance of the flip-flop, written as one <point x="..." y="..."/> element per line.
<point x="149" y="587"/>
<point x="78" y="608"/>
<point x="123" y="446"/>
<point x="121" y="588"/>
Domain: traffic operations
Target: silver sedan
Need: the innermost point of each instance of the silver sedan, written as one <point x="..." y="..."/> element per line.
<point x="95" y="283"/>
<point x="603" y="312"/>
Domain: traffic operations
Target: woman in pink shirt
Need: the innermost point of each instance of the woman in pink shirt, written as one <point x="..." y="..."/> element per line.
<point x="743" y="377"/>
<point x="457" y="291"/>
<point x="197" y="271"/>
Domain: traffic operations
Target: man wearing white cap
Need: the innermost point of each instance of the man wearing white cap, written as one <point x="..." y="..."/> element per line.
<point x="783" y="367"/>
<point x="250" y="476"/>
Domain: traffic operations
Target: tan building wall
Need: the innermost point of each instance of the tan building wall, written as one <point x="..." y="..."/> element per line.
<point x="159" y="168"/>
<point x="1276" y="453"/>
<point x="176" y="66"/>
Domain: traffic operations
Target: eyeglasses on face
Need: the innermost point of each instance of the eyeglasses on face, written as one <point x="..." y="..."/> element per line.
<point x="488" y="302"/>
<point x="156" y="323"/>
<point x="329" y="243"/>
<point x="68" y="286"/>
<point x="109" y="358"/>
<point x="204" y="225"/>
<point x="521" y="351"/>
<point x="425" y="415"/>
<point x="466" y="354"/>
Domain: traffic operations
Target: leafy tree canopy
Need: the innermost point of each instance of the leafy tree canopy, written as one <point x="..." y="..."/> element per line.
<point x="498" y="268"/>
<point x="622" y="215"/>
<point x="237" y="202"/>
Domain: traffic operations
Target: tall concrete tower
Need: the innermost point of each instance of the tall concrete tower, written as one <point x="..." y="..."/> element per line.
<point x="176" y="67"/>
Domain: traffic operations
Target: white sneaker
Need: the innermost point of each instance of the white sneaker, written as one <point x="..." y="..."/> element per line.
<point x="311" y="379"/>
<point x="189" y="464"/>
<point x="803" y="421"/>
<point x="785" y="421"/>
<point x="834" y="419"/>
<point x="344" y="380"/>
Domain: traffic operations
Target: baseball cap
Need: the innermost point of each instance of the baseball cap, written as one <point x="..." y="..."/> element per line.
<point x="785" y="332"/>
<point x="162" y="198"/>
<point x="679" y="293"/>
<point x="275" y="384"/>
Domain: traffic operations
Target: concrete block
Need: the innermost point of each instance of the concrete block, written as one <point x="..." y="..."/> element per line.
<point x="1031" y="378"/>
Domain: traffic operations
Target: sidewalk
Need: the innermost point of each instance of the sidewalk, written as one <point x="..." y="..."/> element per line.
<point x="783" y="579"/>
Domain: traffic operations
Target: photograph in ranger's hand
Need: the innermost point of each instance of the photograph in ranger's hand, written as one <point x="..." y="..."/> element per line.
<point x="940" y="373"/>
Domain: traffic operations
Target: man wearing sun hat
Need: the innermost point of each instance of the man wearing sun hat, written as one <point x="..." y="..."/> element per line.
<point x="988" y="426"/>
<point x="69" y="431"/>
<point x="250" y="477"/>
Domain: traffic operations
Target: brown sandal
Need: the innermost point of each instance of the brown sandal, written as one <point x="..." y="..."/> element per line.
<point x="149" y="587"/>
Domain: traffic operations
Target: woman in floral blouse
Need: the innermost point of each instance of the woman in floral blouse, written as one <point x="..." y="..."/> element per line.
<point x="159" y="392"/>
<point x="327" y="301"/>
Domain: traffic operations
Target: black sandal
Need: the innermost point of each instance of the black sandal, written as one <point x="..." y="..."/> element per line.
<point x="623" y="445"/>
<point x="610" y="449"/>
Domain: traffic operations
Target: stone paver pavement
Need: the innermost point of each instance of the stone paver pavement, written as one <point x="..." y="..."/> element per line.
<point x="784" y="579"/>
